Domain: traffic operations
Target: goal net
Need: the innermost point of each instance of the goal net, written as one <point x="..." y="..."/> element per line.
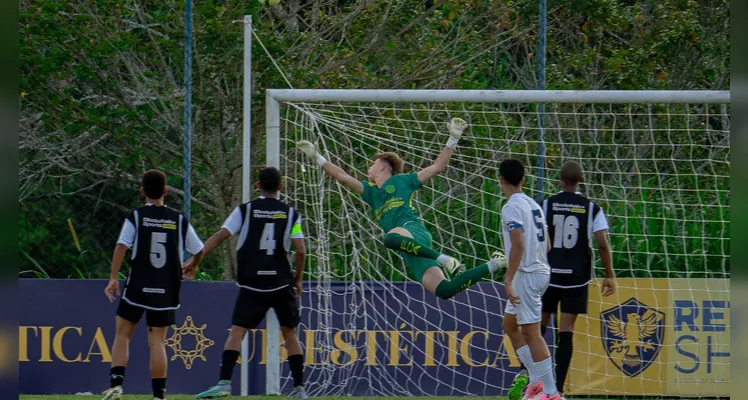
<point x="656" y="162"/>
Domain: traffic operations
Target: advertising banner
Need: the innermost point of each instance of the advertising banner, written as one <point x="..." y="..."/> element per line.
<point x="653" y="337"/>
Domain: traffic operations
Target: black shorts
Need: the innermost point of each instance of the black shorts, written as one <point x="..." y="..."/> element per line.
<point x="251" y="307"/>
<point x="153" y="318"/>
<point x="573" y="300"/>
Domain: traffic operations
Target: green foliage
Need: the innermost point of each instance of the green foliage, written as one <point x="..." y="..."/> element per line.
<point x="102" y="100"/>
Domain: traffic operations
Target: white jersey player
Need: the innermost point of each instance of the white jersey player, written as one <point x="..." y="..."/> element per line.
<point x="527" y="277"/>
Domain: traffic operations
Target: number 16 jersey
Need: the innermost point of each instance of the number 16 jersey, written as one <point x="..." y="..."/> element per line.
<point x="572" y="220"/>
<point x="522" y="212"/>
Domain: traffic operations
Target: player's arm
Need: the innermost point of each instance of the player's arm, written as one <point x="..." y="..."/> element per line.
<point x="125" y="241"/>
<point x="297" y="238"/>
<point x="300" y="248"/>
<point x="216" y="240"/>
<point x="606" y="255"/>
<point x="117" y="258"/>
<point x="600" y="229"/>
<point x="515" y="252"/>
<point x="194" y="246"/>
<point x="331" y="169"/>
<point x="455" y="127"/>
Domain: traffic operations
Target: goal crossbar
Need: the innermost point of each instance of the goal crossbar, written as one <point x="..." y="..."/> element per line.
<point x="500" y="96"/>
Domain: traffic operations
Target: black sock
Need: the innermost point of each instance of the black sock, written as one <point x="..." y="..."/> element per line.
<point x="563" y="358"/>
<point x="296" y="362"/>
<point x="116" y="376"/>
<point x="159" y="387"/>
<point x="228" y="360"/>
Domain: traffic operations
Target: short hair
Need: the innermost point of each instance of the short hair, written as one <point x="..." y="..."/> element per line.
<point x="512" y="171"/>
<point x="571" y="173"/>
<point x="154" y="183"/>
<point x="393" y="160"/>
<point x="270" y="179"/>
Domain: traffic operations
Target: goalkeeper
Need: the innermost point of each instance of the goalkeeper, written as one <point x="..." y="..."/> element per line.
<point x="389" y="193"/>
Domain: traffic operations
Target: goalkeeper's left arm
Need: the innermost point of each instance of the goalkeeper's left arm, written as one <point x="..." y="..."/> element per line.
<point x="455" y="127"/>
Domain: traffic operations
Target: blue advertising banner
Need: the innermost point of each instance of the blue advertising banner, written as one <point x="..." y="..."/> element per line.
<point x="361" y="339"/>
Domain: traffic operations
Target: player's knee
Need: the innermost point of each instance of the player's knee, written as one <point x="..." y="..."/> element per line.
<point x="289" y="334"/>
<point x="444" y="296"/>
<point x="156" y="337"/>
<point x="236" y="333"/>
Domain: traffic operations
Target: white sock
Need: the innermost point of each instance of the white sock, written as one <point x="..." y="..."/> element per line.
<point x="442" y="258"/>
<point x="493" y="267"/>
<point x="544" y="372"/>
<point x="526" y="357"/>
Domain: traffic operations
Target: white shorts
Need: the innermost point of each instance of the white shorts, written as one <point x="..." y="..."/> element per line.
<point x="530" y="288"/>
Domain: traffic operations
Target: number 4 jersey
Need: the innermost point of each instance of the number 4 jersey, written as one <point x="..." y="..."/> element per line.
<point x="572" y="219"/>
<point x="522" y="212"/>
<point x="158" y="237"/>
<point x="265" y="227"/>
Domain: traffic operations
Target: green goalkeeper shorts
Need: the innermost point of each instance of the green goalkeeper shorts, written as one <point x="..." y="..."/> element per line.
<point x="418" y="265"/>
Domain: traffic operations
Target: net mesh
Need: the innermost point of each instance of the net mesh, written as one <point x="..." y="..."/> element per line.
<point x="660" y="172"/>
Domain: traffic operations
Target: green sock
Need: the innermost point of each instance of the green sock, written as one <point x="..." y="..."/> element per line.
<point x="448" y="288"/>
<point x="408" y="245"/>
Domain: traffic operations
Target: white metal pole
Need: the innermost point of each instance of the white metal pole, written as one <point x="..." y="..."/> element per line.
<point x="503" y="96"/>
<point x="272" y="129"/>
<point x="246" y="169"/>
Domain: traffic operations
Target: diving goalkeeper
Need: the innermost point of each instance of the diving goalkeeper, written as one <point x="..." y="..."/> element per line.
<point x="389" y="193"/>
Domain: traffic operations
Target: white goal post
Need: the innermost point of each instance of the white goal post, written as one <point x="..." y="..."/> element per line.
<point x="660" y="127"/>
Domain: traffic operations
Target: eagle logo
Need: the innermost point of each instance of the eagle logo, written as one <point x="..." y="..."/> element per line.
<point x="632" y="335"/>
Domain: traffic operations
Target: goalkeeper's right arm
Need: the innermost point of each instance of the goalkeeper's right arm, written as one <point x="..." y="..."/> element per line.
<point x="331" y="169"/>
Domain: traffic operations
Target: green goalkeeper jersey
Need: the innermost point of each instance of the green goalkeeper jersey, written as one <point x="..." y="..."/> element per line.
<point x="393" y="202"/>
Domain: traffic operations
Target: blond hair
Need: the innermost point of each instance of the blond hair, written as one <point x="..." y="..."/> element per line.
<point x="393" y="160"/>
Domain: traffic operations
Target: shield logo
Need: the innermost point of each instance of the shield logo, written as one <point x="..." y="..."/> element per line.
<point x="632" y="334"/>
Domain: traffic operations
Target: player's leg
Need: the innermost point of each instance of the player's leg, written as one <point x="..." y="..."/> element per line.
<point x="287" y="309"/>
<point x="434" y="281"/>
<point x="573" y="303"/>
<point x="530" y="291"/>
<point x="249" y="311"/>
<point x="550" y="301"/>
<point x="416" y="241"/>
<point x="125" y="323"/>
<point x="513" y="330"/>
<point x="158" y="324"/>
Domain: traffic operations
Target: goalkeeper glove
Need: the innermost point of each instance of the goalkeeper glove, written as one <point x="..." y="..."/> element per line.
<point x="455" y="128"/>
<point x="308" y="148"/>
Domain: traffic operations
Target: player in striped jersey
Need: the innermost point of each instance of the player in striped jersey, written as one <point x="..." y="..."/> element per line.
<point x="158" y="237"/>
<point x="573" y="220"/>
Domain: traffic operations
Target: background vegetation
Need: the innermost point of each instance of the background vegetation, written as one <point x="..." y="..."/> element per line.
<point x="102" y="99"/>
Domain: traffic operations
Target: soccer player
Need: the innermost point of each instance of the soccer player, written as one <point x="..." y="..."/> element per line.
<point x="527" y="278"/>
<point x="573" y="220"/>
<point x="266" y="227"/>
<point x="389" y="193"/>
<point x="158" y="236"/>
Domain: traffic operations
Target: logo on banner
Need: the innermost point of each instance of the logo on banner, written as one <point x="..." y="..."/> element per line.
<point x="181" y="339"/>
<point x="632" y="335"/>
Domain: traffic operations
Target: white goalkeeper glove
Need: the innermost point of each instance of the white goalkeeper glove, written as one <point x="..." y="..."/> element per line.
<point x="308" y="148"/>
<point x="455" y="128"/>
